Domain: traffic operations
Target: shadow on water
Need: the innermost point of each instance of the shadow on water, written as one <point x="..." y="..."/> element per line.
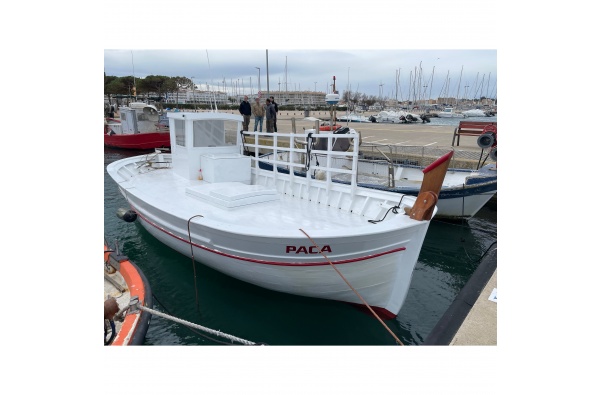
<point x="449" y="256"/>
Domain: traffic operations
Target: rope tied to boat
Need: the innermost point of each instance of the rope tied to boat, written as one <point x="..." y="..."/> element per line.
<point x="196" y="326"/>
<point x="353" y="289"/>
<point x="393" y="209"/>
<point x="192" y="251"/>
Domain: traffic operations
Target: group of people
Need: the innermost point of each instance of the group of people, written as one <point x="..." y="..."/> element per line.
<point x="259" y="111"/>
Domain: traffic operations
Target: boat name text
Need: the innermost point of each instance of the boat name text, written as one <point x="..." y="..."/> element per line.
<point x="306" y="250"/>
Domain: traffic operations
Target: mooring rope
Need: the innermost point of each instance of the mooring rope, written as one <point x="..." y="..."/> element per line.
<point x="196" y="326"/>
<point x="193" y="261"/>
<point x="355" y="291"/>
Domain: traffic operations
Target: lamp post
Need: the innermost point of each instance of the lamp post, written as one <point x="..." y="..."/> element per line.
<point x="258" y="78"/>
<point x="194" y="92"/>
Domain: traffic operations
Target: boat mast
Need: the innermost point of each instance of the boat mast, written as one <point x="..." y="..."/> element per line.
<point x="431" y="84"/>
<point x="214" y="98"/>
<point x="458" y="91"/>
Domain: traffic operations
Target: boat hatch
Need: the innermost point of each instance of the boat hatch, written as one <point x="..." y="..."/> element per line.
<point x="232" y="194"/>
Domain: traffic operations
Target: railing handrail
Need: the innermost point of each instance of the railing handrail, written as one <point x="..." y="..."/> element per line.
<point x="329" y="153"/>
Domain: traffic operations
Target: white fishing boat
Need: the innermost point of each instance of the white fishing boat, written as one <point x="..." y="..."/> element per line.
<point x="474" y="113"/>
<point x="316" y="238"/>
<point x="387" y="117"/>
<point x="449" y="112"/>
<point x="353" y="117"/>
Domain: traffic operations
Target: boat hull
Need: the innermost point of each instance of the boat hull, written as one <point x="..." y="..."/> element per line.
<point x="381" y="276"/>
<point x="264" y="243"/>
<point x="139" y="141"/>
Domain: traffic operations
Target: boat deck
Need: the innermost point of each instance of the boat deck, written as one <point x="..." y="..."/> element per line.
<point x="268" y="210"/>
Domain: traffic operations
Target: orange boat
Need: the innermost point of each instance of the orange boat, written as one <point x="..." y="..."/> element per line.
<point x="125" y="290"/>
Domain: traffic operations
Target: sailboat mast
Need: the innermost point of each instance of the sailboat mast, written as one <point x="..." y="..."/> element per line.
<point x="431" y="83"/>
<point x="459" y="80"/>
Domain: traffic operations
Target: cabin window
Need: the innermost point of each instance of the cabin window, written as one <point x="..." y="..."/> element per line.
<point x="209" y="133"/>
<point x="180" y="132"/>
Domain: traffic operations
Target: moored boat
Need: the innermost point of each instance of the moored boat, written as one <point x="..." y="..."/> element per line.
<point x="140" y="127"/>
<point x="464" y="191"/>
<point x="449" y="112"/>
<point x="474" y="113"/>
<point x="353" y="117"/>
<point x="314" y="238"/>
<point x="125" y="289"/>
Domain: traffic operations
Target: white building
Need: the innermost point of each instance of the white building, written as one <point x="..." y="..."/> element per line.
<point x="299" y="99"/>
<point x="198" y="97"/>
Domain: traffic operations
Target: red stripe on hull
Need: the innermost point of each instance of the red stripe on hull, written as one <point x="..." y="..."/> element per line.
<point x="264" y="262"/>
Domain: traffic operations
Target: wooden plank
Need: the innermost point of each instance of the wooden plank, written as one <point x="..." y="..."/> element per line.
<point x="430" y="188"/>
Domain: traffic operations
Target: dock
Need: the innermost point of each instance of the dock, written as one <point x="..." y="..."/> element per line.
<point x="471" y="320"/>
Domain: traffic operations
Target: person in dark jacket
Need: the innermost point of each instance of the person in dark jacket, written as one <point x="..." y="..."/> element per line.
<point x="246" y="111"/>
<point x="276" y="112"/>
<point x="271" y="115"/>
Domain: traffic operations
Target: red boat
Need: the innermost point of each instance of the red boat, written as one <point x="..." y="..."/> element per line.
<point x="140" y="127"/>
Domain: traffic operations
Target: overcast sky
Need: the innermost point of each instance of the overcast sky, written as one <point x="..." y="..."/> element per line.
<point x="369" y="71"/>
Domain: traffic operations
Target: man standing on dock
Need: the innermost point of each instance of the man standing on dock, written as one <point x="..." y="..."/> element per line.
<point x="258" y="110"/>
<point x="271" y="115"/>
<point x="276" y="112"/>
<point x="246" y="112"/>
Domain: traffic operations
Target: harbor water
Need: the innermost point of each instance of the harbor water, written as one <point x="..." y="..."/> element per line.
<point x="450" y="254"/>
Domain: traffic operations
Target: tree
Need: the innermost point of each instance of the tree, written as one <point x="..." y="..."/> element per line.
<point x="181" y="83"/>
<point x="155" y="84"/>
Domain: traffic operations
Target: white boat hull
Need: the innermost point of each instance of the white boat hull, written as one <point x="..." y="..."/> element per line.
<point x="378" y="265"/>
<point x="307" y="237"/>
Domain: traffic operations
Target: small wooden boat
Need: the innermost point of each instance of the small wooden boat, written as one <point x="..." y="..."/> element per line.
<point x="125" y="289"/>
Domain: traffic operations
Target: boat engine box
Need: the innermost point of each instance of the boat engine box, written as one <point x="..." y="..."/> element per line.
<point x="225" y="168"/>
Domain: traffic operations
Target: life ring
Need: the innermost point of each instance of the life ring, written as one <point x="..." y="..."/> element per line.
<point x="485" y="140"/>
